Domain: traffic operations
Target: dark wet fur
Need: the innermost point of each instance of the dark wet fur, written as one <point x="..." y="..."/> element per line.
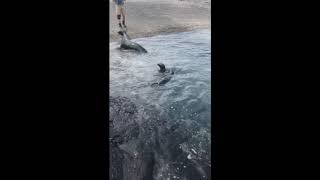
<point x="127" y="44"/>
<point x="166" y="75"/>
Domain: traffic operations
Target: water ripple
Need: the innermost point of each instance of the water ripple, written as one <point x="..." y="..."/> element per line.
<point x="178" y="112"/>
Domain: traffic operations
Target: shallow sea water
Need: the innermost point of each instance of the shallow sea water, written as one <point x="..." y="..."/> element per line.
<point x="173" y="120"/>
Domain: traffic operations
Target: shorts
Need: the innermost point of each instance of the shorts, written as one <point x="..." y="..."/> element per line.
<point x="119" y="2"/>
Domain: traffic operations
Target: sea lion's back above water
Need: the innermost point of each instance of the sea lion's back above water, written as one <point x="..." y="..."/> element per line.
<point x="126" y="43"/>
<point x="166" y="75"/>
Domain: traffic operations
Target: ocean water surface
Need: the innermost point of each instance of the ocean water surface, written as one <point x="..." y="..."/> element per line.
<point x="161" y="132"/>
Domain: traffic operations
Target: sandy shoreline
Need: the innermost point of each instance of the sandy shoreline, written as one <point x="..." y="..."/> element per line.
<point x="150" y="17"/>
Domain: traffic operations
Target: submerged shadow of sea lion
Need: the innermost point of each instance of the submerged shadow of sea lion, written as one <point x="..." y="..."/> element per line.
<point x="166" y="75"/>
<point x="127" y="44"/>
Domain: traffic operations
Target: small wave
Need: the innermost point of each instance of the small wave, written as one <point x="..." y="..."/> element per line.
<point x="170" y="122"/>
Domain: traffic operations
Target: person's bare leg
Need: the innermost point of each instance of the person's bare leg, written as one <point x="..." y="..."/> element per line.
<point x="123" y="17"/>
<point x="118" y="12"/>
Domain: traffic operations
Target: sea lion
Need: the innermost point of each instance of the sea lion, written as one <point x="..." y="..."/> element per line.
<point x="126" y="43"/>
<point x="166" y="75"/>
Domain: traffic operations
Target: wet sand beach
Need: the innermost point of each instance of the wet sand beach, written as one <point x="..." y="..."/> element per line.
<point x="145" y="18"/>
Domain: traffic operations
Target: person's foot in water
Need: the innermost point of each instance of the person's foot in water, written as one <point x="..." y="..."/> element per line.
<point x="121" y="27"/>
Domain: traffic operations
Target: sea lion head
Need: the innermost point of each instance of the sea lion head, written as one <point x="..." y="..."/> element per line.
<point x="162" y="67"/>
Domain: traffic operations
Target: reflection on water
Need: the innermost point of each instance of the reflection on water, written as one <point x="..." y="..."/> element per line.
<point x="164" y="129"/>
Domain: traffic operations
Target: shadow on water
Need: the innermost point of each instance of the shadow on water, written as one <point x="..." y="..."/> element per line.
<point x="164" y="132"/>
